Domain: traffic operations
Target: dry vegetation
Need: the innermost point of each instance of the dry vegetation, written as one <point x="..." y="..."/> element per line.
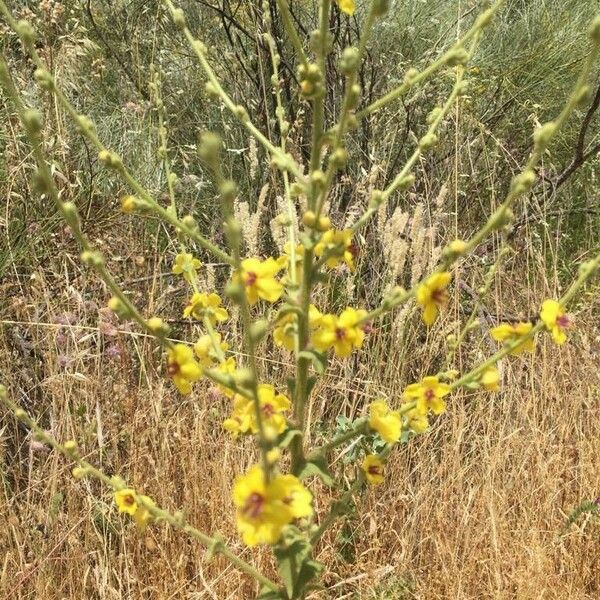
<point x="473" y="509"/>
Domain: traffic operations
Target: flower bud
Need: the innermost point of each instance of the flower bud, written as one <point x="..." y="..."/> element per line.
<point x="43" y="78"/>
<point x="410" y="76"/>
<point x="129" y="204"/>
<point x="210" y="147"/>
<point x="324" y="224"/>
<point x="79" y="472"/>
<point x="349" y="61"/>
<point x="542" y="135"/>
<point x="309" y="219"/>
<point x="406" y="182"/>
<point x="428" y="141"/>
<point x="70" y="446"/>
<point x="32" y="119"/>
<point x="377" y="199"/>
<point x="317" y="178"/>
<point x="595" y="30"/>
<point x="25" y="31"/>
<point x="228" y="190"/>
<point x="190" y="222"/>
<point x="380" y="7"/>
<point x="456" y="248"/>
<point x="523" y="182"/>
<point x="92" y="258"/>
<point x="241" y="113"/>
<point x="179" y="18"/>
<point x="457" y="56"/>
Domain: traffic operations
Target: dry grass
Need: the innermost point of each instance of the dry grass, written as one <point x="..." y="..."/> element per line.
<point x="470" y="510"/>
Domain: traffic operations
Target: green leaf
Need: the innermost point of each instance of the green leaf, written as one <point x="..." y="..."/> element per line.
<point x="318" y="359"/>
<point x="310" y="570"/>
<point x="268" y="594"/>
<point x="285" y="439"/>
<point x="318" y="467"/>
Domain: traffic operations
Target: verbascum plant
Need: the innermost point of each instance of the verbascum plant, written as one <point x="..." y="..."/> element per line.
<point x="275" y="296"/>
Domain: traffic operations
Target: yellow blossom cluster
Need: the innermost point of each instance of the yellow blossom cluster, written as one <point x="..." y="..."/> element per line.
<point x="272" y="408"/>
<point x="343" y="333"/>
<point x="339" y="248"/>
<point x="264" y="507"/>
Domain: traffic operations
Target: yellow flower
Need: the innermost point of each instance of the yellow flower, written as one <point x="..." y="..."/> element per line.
<point x="432" y="294"/>
<point x="490" y="379"/>
<point x="272" y="406"/>
<point x="343" y="333"/>
<point x="264" y="509"/>
<point x="417" y="422"/>
<point x="387" y="423"/>
<point x="206" y="305"/>
<point x="142" y="515"/>
<point x="126" y="501"/>
<point x="285" y="331"/>
<point x="339" y="244"/>
<point x="186" y="265"/>
<point x="297" y="498"/>
<point x="556" y="320"/>
<point x="373" y="469"/>
<point x="347" y="6"/>
<point x="227" y="367"/>
<point x="505" y="332"/>
<point x="429" y="394"/>
<point x="258" y="278"/>
<point x="182" y="367"/>
<point x="205" y="352"/>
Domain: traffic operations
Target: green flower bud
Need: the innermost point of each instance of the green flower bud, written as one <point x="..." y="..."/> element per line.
<point x="410" y="76"/>
<point x="179" y="18"/>
<point x="428" y="141"/>
<point x="44" y="79"/>
<point x="318" y="179"/>
<point x="241" y="113"/>
<point x="595" y="30"/>
<point x="25" y="31"/>
<point x="228" y="190"/>
<point x="309" y="219"/>
<point x="457" y="56"/>
<point x="32" y="119"/>
<point x="349" y="61"/>
<point x="377" y="199"/>
<point x="542" y="135"/>
<point x="380" y="7"/>
<point x="340" y="157"/>
<point x="523" y="182"/>
<point x="92" y="258"/>
<point x="210" y="147"/>
<point x="406" y="182"/>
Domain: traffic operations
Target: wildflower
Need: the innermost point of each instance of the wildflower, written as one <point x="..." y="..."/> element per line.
<point x="373" y="469"/>
<point x="343" y="333"/>
<point x="285" y="331"/>
<point x="416" y="421"/>
<point x="505" y="332"/>
<point x="339" y="244"/>
<point x="432" y="294"/>
<point x="206" y="305"/>
<point x="347" y="6"/>
<point x="142" y="516"/>
<point x="259" y="280"/>
<point x="126" y="501"/>
<point x="429" y="394"/>
<point x="490" y="379"/>
<point x="205" y="351"/>
<point x="387" y="423"/>
<point x="182" y="367"/>
<point x="264" y="509"/>
<point x="272" y="407"/>
<point x="556" y="320"/>
<point x="186" y="265"/>
<point x="297" y="498"/>
<point x="227" y="367"/>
